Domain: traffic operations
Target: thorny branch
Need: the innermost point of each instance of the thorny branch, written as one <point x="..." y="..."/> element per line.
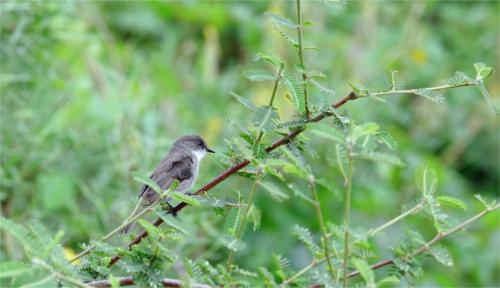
<point x="235" y="168"/>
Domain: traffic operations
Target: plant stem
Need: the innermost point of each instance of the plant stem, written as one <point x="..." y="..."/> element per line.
<point x="242" y="222"/>
<point x="414" y="91"/>
<point x="273" y="94"/>
<point x="286" y="139"/>
<point x="413" y="210"/>
<point x="129" y="220"/>
<point x="438" y="237"/>
<point x="325" y="237"/>
<point x="347" y="212"/>
<point x="301" y="56"/>
<point x="58" y="274"/>
<point x="372" y="232"/>
<point x="300" y="273"/>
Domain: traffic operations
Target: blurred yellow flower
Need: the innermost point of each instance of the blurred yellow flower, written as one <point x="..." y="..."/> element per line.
<point x="419" y="56"/>
<point x="70" y="254"/>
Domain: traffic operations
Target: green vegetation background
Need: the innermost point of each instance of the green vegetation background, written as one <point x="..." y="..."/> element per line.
<point x="93" y="91"/>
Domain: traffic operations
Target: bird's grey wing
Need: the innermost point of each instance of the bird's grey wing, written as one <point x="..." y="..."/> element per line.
<point x="181" y="169"/>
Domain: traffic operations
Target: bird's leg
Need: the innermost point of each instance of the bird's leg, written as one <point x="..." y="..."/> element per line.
<point x="169" y="208"/>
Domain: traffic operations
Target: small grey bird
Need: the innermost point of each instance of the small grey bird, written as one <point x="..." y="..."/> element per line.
<point x="181" y="163"/>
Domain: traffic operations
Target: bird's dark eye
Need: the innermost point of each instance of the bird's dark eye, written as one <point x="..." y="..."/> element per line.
<point x="200" y="143"/>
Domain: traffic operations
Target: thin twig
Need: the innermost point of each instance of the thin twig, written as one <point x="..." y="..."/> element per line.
<point x="300" y="273"/>
<point x="438" y="237"/>
<point x="58" y="274"/>
<point x="301" y="57"/>
<point x="129" y="220"/>
<point x="413" y="210"/>
<point x="230" y="171"/>
<point x="347" y="208"/>
<point x="235" y="168"/>
<point x="325" y="237"/>
<point x="273" y="94"/>
<point x="372" y="232"/>
<point x="242" y="222"/>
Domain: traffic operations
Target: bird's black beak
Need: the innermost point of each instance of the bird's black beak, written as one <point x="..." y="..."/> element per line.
<point x="210" y="150"/>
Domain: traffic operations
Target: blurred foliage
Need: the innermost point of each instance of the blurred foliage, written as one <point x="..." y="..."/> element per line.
<point x="93" y="91"/>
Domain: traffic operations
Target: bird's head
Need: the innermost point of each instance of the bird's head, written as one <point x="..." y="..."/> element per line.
<point x="194" y="143"/>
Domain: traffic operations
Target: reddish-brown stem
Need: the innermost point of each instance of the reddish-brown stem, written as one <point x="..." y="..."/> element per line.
<point x="230" y="171"/>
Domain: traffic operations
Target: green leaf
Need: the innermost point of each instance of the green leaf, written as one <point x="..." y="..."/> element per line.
<point x="382" y="157"/>
<point x="365" y="271"/>
<point x="484" y="201"/>
<point x="287" y="37"/>
<point x="329" y="133"/>
<point x="321" y="87"/>
<point x="483" y="71"/>
<point x="459" y="78"/>
<point x="342" y="160"/>
<point x="486" y="96"/>
<point x="299" y="193"/>
<point x="283" y="266"/>
<point x="441" y="254"/>
<point x="368" y="128"/>
<point x="426" y="180"/>
<point x="265" y="118"/>
<point x="428" y="94"/>
<point x="172" y="222"/>
<point x="308" y="23"/>
<point x="309" y="46"/>
<point x="306" y="237"/>
<point x="276" y="192"/>
<point x="337" y="4"/>
<point x="232" y="222"/>
<point x="30" y="244"/>
<point x="150" y="228"/>
<point x="452" y="201"/>
<point x="390" y="280"/>
<point x="296" y="92"/>
<point x="275" y="60"/>
<point x="244" y="101"/>
<point x="114" y="281"/>
<point x="259" y="75"/>
<point x="293" y="123"/>
<point x="146" y="180"/>
<point x="386" y="138"/>
<point x="280" y="20"/>
<point x="191" y="200"/>
<point x="368" y="143"/>
<point x="396" y="82"/>
<point x="12" y="269"/>
<point x="232" y="243"/>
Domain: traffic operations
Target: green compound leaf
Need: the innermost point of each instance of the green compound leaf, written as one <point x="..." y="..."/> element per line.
<point x="265" y="118"/>
<point x="296" y="92"/>
<point x="386" y="138"/>
<point x="259" y="75"/>
<point x="426" y="180"/>
<point x="452" y="201"/>
<point x="429" y="95"/>
<point x="244" y="101"/>
<point x="280" y="20"/>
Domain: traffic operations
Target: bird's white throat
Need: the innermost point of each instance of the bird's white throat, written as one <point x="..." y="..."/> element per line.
<point x="199" y="154"/>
